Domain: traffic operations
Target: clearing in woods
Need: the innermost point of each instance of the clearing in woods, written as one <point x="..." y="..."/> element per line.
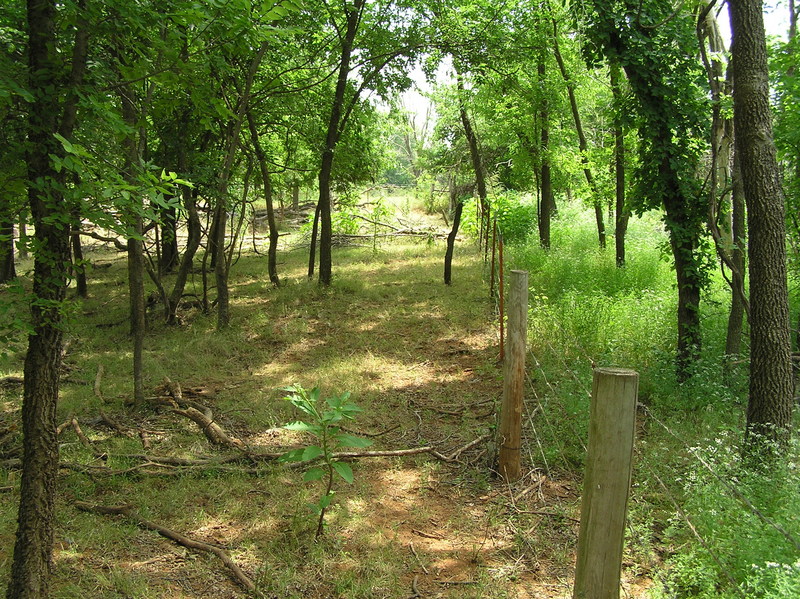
<point x="420" y="358"/>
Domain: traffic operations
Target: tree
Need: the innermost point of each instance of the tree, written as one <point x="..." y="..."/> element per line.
<point x="769" y="410"/>
<point x="369" y="41"/>
<point x="656" y="47"/>
<point x="52" y="110"/>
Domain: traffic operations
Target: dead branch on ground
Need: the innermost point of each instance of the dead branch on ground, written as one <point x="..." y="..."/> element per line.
<point x="128" y="512"/>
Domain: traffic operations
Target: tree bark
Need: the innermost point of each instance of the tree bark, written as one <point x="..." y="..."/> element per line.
<point x="331" y="139"/>
<point x="7" y="269"/>
<point x="622" y="212"/>
<point x="451" y="242"/>
<point x="32" y="562"/>
<point x="169" y="255"/>
<point x="769" y="410"/>
<point x="138" y="320"/>
<point x="272" y="253"/>
<point x="546" y="183"/>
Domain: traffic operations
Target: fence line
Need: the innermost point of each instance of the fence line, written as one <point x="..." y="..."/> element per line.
<point x="545" y="402"/>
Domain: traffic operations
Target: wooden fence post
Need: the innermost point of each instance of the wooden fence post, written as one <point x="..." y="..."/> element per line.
<point x="509" y="439"/>
<point x="606" y="484"/>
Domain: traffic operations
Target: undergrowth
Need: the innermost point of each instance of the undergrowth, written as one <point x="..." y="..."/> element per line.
<point x="422" y="361"/>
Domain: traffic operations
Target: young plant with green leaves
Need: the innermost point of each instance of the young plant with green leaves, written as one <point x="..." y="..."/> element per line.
<point x="325" y="417"/>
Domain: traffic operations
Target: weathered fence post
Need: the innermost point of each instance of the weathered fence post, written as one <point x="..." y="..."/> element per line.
<point x="509" y="438"/>
<point x="606" y="484"/>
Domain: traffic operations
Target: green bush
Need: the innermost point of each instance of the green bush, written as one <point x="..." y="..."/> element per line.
<point x="747" y="551"/>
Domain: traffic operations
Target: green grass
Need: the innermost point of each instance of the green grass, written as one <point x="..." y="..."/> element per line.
<point x="421" y="357"/>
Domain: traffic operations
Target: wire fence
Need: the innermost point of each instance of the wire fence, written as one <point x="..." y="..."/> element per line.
<point x="554" y="433"/>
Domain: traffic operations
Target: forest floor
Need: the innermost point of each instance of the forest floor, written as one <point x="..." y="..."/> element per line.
<point x="421" y="360"/>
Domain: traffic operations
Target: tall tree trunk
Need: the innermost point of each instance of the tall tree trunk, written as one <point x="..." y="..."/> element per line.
<point x="22" y="230"/>
<point x="193" y="226"/>
<point x="733" y="339"/>
<point x="220" y="263"/>
<point x="232" y="144"/>
<point x="168" y="254"/>
<point x="332" y="136"/>
<point x="769" y="410"/>
<point x="622" y="212"/>
<point x="138" y="320"/>
<point x="312" y="248"/>
<point x="726" y="224"/>
<point x="582" y="143"/>
<point x="546" y="183"/>
<point x="272" y="254"/>
<point x="30" y="569"/>
<point x="7" y="269"/>
<point x="477" y="162"/>
<point x="451" y="238"/>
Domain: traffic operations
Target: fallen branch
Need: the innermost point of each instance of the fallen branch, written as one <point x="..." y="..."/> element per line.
<point x="128" y="512"/>
<point x="113" y="424"/>
<point x="414" y="589"/>
<point x="211" y="429"/>
<point x="454" y="456"/>
<point x="82" y="437"/>
<point x="12" y="380"/>
<point x="381" y="454"/>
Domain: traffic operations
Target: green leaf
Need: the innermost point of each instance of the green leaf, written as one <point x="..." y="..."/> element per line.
<point x="295" y="455"/>
<point x="325" y="500"/>
<point x="344" y="470"/>
<point x="314" y="474"/>
<point x="345" y="440"/>
<point x="299" y="425"/>
<point x="311" y="452"/>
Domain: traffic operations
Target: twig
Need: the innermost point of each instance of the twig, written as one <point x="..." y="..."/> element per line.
<point x="470" y="445"/>
<point x="128" y="512"/>
<point x="98" y="379"/>
<point x="414" y="589"/>
<point x="419" y="561"/>
<point x="63" y="426"/>
<point x="83" y="438"/>
<point x="381" y="454"/>
<point x="113" y="424"/>
<point x="427" y="535"/>
<point x="365" y="434"/>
